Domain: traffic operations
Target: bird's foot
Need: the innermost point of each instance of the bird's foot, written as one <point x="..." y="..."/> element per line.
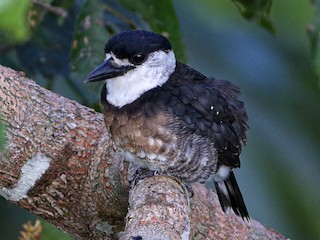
<point x="139" y="175"/>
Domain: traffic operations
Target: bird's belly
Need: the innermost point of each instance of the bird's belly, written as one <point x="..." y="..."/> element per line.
<point x="147" y="138"/>
<point x="197" y="160"/>
<point x="154" y="144"/>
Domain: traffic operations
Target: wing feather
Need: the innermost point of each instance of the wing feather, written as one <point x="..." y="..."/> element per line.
<point x="210" y="107"/>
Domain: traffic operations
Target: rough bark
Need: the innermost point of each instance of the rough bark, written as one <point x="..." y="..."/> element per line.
<point x="60" y="164"/>
<point x="159" y="209"/>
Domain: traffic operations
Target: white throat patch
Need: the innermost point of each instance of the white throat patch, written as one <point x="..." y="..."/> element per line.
<point x="155" y="71"/>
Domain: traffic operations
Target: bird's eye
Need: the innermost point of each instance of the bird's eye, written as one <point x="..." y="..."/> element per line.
<point x="138" y="58"/>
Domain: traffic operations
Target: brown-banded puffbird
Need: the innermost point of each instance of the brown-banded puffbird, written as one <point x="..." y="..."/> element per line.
<point x="170" y="118"/>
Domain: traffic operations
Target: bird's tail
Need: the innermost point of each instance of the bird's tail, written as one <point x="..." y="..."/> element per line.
<point x="230" y="196"/>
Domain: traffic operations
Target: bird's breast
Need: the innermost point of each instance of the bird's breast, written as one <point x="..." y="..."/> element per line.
<point x="146" y="136"/>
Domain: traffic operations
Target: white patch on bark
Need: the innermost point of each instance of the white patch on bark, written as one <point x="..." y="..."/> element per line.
<point x="105" y="227"/>
<point x="31" y="172"/>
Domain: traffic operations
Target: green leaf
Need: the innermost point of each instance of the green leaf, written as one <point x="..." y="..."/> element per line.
<point x="50" y="232"/>
<point x="258" y="10"/>
<point x="89" y="38"/>
<point x="13" y="19"/>
<point x="161" y="17"/>
<point x="313" y="31"/>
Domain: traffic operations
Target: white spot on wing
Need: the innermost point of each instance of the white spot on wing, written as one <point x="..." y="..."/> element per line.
<point x="31" y="172"/>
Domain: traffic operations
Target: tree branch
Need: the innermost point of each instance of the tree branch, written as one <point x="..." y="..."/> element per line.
<point x="159" y="209"/>
<point x="59" y="161"/>
<point x="60" y="164"/>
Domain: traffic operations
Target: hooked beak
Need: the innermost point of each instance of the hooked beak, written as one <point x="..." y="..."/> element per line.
<point x="105" y="71"/>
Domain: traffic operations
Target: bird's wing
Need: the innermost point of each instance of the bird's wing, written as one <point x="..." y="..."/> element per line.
<point x="210" y="108"/>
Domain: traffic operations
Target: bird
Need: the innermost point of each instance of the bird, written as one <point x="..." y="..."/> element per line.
<point x="168" y="117"/>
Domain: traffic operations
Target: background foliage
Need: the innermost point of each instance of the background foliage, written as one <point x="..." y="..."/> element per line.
<point x="58" y="42"/>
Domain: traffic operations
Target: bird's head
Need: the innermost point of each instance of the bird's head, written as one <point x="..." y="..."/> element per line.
<point x="136" y="61"/>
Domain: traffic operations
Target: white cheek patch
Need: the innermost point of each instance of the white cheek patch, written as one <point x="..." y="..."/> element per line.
<point x="154" y="72"/>
<point x="31" y="172"/>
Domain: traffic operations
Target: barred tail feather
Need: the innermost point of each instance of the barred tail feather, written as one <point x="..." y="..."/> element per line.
<point x="230" y="196"/>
